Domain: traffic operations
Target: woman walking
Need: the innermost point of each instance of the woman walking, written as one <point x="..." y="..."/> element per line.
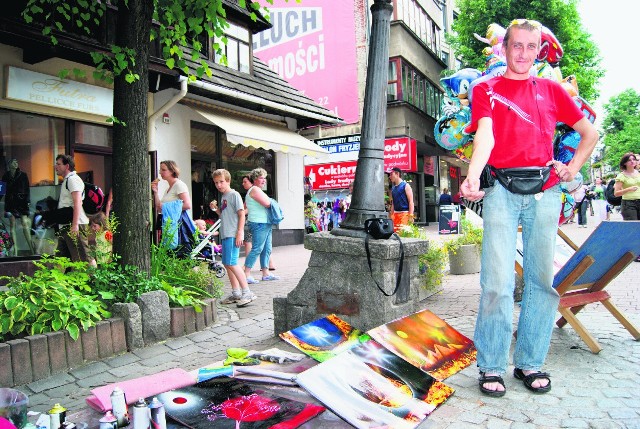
<point x="628" y="186"/>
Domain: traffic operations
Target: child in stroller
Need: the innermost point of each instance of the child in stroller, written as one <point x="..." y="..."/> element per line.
<point x="207" y="250"/>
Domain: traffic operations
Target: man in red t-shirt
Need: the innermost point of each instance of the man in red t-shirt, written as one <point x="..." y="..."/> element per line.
<point x="514" y="118"/>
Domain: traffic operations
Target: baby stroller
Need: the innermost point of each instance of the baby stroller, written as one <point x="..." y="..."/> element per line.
<point x="207" y="250"/>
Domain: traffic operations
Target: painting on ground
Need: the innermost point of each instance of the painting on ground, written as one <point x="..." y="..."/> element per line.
<point x="228" y="403"/>
<point x="369" y="386"/>
<point x="428" y="342"/>
<point x="324" y="338"/>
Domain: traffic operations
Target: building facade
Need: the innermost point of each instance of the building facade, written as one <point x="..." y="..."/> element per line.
<point x="242" y="117"/>
<point x="418" y="54"/>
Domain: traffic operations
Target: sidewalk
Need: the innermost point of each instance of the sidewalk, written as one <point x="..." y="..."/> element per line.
<point x="589" y="391"/>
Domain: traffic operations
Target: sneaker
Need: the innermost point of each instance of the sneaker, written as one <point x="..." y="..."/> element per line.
<point x="231" y="299"/>
<point x="246" y="299"/>
<point x="270" y="278"/>
<point x="252" y="281"/>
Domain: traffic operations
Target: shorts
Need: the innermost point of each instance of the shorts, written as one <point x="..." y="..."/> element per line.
<point x="230" y="252"/>
<point x="247" y="233"/>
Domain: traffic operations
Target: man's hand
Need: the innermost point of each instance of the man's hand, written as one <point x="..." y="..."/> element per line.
<point x="564" y="172"/>
<point x="470" y="189"/>
<point x="74" y="229"/>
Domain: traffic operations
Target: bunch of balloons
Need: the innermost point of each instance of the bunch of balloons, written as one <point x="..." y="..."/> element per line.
<point x="449" y="131"/>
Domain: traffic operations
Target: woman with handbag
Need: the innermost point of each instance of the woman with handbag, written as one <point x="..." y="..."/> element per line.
<point x="258" y="203"/>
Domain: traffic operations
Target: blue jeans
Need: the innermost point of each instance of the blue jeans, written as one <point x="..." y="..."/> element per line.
<point x="502" y="213"/>
<point x="261" y="245"/>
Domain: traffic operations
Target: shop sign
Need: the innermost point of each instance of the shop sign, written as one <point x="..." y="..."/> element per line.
<point x="334" y="175"/>
<point x="400" y="152"/>
<point x="313" y="47"/>
<point x="38" y="88"/>
<point x="340" y="144"/>
<point x="449" y="220"/>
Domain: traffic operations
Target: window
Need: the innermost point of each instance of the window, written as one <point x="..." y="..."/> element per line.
<point x="412" y="87"/>
<point x="419" y="22"/>
<point x="236" y="50"/>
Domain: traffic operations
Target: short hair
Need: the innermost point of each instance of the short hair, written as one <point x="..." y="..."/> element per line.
<point x="522" y="24"/>
<point x="172" y="167"/>
<point x="625" y="158"/>
<point x="67" y="160"/>
<point x="257" y="172"/>
<point x="222" y="172"/>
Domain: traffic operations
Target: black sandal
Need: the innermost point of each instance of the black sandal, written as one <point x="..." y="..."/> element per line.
<point x="491" y="379"/>
<point x="529" y="379"/>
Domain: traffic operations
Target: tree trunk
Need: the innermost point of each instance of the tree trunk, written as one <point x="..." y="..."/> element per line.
<point x="131" y="183"/>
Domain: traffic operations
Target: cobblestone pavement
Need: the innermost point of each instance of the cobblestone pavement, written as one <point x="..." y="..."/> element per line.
<point x="589" y="391"/>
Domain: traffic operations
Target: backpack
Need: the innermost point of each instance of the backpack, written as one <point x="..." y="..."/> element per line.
<point x="92" y="198"/>
<point x="611" y="198"/>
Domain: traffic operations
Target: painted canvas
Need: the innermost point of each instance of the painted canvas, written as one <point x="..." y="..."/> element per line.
<point x="428" y="342"/>
<point x="324" y="338"/>
<point x="228" y="403"/>
<point x="369" y="386"/>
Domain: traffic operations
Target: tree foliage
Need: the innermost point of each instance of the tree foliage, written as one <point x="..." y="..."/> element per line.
<point x="581" y="55"/>
<point x="179" y="26"/>
<point x="621" y="126"/>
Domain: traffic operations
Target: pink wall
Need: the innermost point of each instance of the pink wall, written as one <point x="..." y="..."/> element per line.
<point x="313" y="46"/>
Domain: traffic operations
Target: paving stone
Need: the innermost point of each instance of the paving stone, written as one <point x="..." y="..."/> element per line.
<point x="89" y="370"/>
<point x="623" y="413"/>
<point x="203" y="336"/>
<point x="151" y="351"/>
<point x="178" y="343"/>
<point x="186" y="351"/>
<point x="223" y="329"/>
<point x="125" y="359"/>
<point x="51" y="382"/>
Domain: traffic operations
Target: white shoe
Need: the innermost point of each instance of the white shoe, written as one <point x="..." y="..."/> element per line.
<point x="246" y="299"/>
<point x="231" y="299"/>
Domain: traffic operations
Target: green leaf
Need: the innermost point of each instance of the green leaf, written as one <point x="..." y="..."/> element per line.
<point x="56" y="324"/>
<point x="74" y="331"/>
<point x="11" y="302"/>
<point x="19" y="313"/>
<point x="171" y="63"/>
<point x="37" y="328"/>
<point x="130" y="78"/>
<point x="6" y="322"/>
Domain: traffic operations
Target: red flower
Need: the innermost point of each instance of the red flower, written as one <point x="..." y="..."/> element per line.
<point x="108" y="235"/>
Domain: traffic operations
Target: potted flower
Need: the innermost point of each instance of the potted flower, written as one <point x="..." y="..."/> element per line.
<point x="464" y="249"/>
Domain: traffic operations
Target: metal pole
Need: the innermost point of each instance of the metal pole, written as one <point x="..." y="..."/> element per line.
<point x="367" y="200"/>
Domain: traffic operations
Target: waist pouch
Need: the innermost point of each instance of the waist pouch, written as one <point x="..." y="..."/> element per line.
<point x="522" y="180"/>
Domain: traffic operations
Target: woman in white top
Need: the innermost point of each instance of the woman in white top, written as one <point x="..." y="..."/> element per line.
<point x="257" y="203"/>
<point x="177" y="190"/>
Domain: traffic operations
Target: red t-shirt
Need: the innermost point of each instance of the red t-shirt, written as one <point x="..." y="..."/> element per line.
<point x="524" y="114"/>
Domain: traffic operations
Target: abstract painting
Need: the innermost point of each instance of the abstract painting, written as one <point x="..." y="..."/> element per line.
<point x="225" y="402"/>
<point x="428" y="342"/>
<point x="324" y="338"/>
<point x="369" y="386"/>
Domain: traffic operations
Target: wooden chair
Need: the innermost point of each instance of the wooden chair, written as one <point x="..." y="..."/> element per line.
<point x="581" y="281"/>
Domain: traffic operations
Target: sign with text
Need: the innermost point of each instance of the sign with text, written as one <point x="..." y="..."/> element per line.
<point x="334" y="175"/>
<point x="38" y="88"/>
<point x="313" y="47"/>
<point x="449" y="220"/>
<point x="400" y="152"/>
<point x="340" y="144"/>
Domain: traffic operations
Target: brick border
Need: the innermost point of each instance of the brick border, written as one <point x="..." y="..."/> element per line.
<point x="185" y="320"/>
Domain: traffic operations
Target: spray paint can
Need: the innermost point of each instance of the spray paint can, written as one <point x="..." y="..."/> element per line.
<point x="57" y="415"/>
<point x="141" y="415"/>
<point x="109" y="421"/>
<point x="119" y="407"/>
<point x="158" y="419"/>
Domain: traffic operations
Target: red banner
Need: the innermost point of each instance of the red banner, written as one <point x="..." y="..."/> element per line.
<point x="398" y="152"/>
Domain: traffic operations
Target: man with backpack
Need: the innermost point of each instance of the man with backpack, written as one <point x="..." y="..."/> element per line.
<point x="71" y="218"/>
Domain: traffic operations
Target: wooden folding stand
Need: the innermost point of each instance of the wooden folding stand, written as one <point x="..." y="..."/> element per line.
<point x="606" y="253"/>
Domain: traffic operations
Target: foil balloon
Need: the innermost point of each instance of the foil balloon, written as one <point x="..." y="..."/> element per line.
<point x="449" y="130"/>
<point x="550" y="49"/>
<point x="570" y="187"/>
<point x="566" y="210"/>
<point x="464" y="152"/>
<point x="497" y="70"/>
<point x="495" y="36"/>
<point x="565" y="144"/>
<point x="457" y="85"/>
<point x="570" y="84"/>
<point x="545" y="71"/>
<point x="586" y="108"/>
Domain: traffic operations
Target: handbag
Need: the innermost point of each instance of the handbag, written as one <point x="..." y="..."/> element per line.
<point x="382" y="229"/>
<point x="523" y="180"/>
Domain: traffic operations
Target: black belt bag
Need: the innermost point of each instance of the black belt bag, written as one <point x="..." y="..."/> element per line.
<point x="522" y="180"/>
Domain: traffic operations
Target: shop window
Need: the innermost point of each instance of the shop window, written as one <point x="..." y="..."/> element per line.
<point x="236" y="49"/>
<point x="30" y="144"/>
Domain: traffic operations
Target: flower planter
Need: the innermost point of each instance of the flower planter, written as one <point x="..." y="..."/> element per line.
<point x="465" y="260"/>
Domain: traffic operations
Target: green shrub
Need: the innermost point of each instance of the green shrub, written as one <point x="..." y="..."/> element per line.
<point x="117" y="283"/>
<point x="50" y="300"/>
<point x="469" y="234"/>
<point x="430" y="264"/>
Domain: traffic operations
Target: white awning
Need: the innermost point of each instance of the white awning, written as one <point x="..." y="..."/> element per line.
<point x="255" y="134"/>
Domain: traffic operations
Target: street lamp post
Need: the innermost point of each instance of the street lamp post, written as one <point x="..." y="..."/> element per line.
<point x="367" y="200"/>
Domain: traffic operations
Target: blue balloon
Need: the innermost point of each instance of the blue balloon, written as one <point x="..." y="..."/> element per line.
<point x="565" y="145"/>
<point x="449" y="130"/>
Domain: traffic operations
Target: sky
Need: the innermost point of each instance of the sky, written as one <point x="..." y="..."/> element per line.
<point x="611" y="24"/>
